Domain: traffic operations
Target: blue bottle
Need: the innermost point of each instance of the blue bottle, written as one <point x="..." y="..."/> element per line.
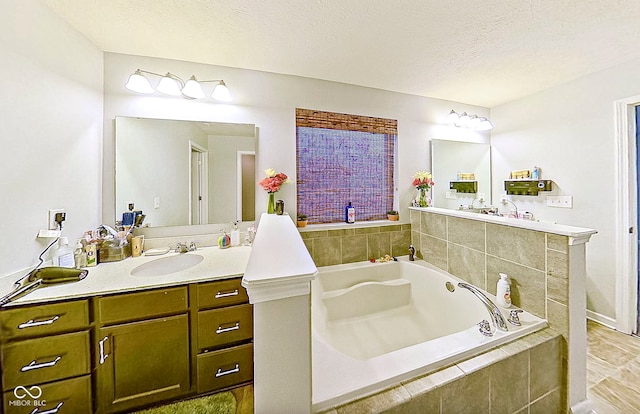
<point x="349" y="214"/>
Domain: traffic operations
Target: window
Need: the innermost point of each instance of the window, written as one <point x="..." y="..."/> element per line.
<point x="344" y="158"/>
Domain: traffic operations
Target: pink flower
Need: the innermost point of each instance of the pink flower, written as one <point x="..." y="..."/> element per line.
<point x="273" y="181"/>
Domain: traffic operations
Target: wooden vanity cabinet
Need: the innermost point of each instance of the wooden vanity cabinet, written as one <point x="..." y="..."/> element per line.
<point x="45" y="356"/>
<point x="142" y="348"/>
<point x="222" y="334"/>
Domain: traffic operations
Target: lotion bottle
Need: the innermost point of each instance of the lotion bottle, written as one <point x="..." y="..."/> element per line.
<point x="349" y="214"/>
<point x="503" y="295"/>
<point x="235" y="234"/>
<point x="63" y="256"/>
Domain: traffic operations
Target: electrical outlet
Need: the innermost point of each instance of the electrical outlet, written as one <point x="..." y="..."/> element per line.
<point x="503" y="198"/>
<point x="481" y="197"/>
<point x="450" y="195"/>
<point x="560" y="201"/>
<point x="52" y="218"/>
<point x="156" y="202"/>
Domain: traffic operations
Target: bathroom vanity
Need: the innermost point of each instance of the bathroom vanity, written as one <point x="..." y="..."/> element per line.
<point x="116" y="342"/>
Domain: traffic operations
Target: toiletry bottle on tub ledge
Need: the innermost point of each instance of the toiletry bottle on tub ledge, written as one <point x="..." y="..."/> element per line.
<point x="503" y="295"/>
<point x="349" y="214"/>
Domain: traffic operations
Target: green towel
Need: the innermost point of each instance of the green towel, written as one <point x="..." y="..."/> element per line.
<point x="221" y="403"/>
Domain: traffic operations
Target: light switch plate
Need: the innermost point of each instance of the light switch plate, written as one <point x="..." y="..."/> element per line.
<point x="450" y="195"/>
<point x="560" y="201"/>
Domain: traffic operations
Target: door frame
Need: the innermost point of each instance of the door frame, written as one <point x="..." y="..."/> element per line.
<point x="239" y="171"/>
<point x="204" y="182"/>
<point x="627" y="216"/>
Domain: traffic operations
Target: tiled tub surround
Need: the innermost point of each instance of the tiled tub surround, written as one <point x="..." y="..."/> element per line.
<point x="521" y="377"/>
<point x="546" y="264"/>
<point x="360" y="241"/>
<point x="377" y="324"/>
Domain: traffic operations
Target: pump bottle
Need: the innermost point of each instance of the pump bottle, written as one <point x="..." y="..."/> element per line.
<point x="503" y="289"/>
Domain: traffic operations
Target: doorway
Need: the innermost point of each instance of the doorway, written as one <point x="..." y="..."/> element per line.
<point x="637" y="125"/>
<point x="198" y="186"/>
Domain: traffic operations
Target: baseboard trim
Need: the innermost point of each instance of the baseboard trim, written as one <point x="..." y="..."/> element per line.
<point x="602" y="319"/>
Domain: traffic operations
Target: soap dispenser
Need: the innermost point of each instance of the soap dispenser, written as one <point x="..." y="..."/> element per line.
<point x="235" y="234"/>
<point x="63" y="256"/>
<point x="503" y="289"/>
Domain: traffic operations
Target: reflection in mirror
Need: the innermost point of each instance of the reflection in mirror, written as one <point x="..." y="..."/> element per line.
<point x="451" y="158"/>
<point x="185" y="172"/>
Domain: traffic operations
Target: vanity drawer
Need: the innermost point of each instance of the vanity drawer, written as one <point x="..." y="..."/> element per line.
<point x="142" y="305"/>
<point x="217" y="327"/>
<point x="35" y="361"/>
<point x="221" y="293"/>
<point x="224" y="368"/>
<point x="72" y="396"/>
<point x="44" y="320"/>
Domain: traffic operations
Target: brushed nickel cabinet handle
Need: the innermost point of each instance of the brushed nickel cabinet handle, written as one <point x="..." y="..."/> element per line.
<point x="226" y="294"/>
<point x="103" y="356"/>
<point x="51" y="411"/>
<point x="31" y="323"/>
<point x="229" y="329"/>
<point x="222" y="373"/>
<point x="34" y="365"/>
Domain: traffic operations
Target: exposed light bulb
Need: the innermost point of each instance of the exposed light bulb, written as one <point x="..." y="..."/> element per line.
<point x="138" y="83"/>
<point x="484" y="125"/>
<point x="464" y="120"/>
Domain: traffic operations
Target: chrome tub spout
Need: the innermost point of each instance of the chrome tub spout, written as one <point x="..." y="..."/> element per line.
<point x="496" y="315"/>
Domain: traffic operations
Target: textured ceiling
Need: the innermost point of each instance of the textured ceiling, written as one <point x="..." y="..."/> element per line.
<point x="478" y="52"/>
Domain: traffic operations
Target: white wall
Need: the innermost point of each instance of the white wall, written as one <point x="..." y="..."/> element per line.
<point x="568" y="131"/>
<point x="269" y="101"/>
<point x="50" y="130"/>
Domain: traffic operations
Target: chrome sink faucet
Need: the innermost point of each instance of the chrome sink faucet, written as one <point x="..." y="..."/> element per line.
<point x="182" y="247"/>
<point x="496" y="316"/>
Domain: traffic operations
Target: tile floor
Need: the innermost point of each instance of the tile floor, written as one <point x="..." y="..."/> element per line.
<point x="613" y="370"/>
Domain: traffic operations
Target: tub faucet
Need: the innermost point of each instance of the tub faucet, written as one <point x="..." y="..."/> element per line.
<point x="496" y="315"/>
<point x="412" y="252"/>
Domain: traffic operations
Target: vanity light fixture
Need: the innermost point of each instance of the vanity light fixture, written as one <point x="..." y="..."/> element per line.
<point x="464" y="120"/>
<point x="173" y="85"/>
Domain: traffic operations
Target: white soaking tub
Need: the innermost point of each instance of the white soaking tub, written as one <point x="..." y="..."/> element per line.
<point x="376" y="324"/>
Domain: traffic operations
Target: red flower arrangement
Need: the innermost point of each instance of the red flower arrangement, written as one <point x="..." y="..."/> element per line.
<point x="273" y="181"/>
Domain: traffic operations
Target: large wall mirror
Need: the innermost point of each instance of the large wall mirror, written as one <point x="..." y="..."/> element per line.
<point x="448" y="159"/>
<point x="185" y="172"/>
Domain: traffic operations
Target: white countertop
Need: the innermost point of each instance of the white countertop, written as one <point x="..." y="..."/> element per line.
<point x="560" y="229"/>
<point x="115" y="277"/>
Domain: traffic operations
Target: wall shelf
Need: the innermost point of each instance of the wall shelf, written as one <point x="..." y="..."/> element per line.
<point x="464" y="186"/>
<point x="527" y="187"/>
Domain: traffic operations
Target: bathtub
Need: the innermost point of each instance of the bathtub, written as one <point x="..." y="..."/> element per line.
<point x="377" y="324"/>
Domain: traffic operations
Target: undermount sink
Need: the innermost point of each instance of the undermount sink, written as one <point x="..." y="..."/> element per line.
<point x="167" y="265"/>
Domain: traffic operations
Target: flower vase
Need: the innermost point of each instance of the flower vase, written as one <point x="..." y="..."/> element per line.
<point x="271" y="204"/>
<point x="422" y="200"/>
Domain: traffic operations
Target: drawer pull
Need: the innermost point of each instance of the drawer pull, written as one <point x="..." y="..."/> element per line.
<point x="51" y="411"/>
<point x="34" y="365"/>
<point x="103" y="356"/>
<point x="31" y="323"/>
<point x="229" y="329"/>
<point x="222" y="373"/>
<point x="226" y="294"/>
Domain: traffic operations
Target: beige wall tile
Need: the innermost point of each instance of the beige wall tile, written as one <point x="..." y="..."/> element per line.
<point x="354" y="248"/>
<point x="545" y="369"/>
<point x="517" y="245"/>
<point x="468" y="233"/>
<point x="527" y="285"/>
<point x="434" y="251"/>
<point x="382" y="402"/>
<point x="557" y="242"/>
<point x="400" y="241"/>
<point x="558" y="276"/>
<point x="510" y="383"/>
<point x="434" y="225"/>
<point x="327" y="251"/>
<point x="467" y="264"/>
<point x="550" y="403"/>
<point x="367" y="230"/>
<point x="378" y="244"/>
<point x="475" y="389"/>
<point x="558" y="317"/>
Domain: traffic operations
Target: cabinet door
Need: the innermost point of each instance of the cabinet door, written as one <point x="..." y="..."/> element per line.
<point x="142" y="362"/>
